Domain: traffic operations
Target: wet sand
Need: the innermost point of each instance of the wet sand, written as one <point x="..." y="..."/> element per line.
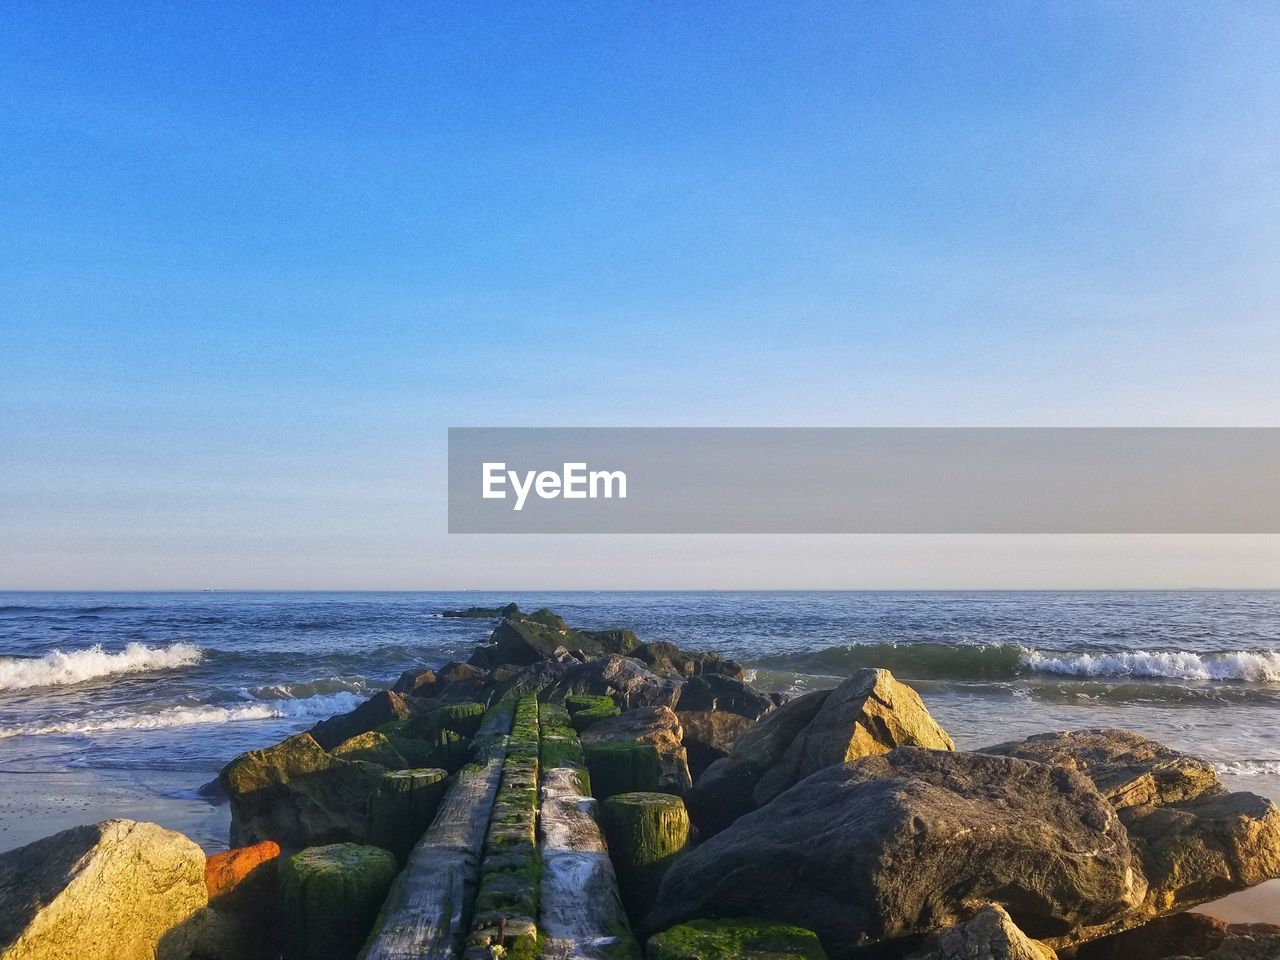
<point x="34" y="804"/>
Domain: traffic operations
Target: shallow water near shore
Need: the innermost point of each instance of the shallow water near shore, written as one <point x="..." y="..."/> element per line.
<point x="126" y="703"/>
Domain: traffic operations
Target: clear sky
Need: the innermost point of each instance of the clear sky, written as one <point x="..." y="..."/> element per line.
<point x="256" y="258"/>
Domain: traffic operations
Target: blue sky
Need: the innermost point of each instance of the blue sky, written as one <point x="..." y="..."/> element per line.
<point x="255" y="260"/>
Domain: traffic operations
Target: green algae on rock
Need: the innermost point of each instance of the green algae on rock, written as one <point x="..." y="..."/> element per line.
<point x="401" y="807"/>
<point x="645" y="833"/>
<point x="298" y="795"/>
<point x="330" y="897"/>
<point x="621" y="768"/>
<point x="735" y="940"/>
<point x="372" y="747"/>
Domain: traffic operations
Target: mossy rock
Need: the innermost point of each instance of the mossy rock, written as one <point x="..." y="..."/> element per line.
<point x="373" y="747"/>
<point x="645" y="833"/>
<point x="552" y="715"/>
<point x="585" y="718"/>
<point x="562" y="752"/>
<point x="463" y="719"/>
<point x="578" y="702"/>
<point x="330" y="898"/>
<point x="735" y="940"/>
<point x="622" y="768"/>
<point x="402" y="806"/>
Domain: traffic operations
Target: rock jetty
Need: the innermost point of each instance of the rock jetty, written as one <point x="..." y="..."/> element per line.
<point x="578" y="794"/>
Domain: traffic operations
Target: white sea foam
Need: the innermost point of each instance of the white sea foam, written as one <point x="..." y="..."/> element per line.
<point x="57" y="668"/>
<point x="312" y="707"/>
<point x="1172" y="664"/>
<point x="1250" y="768"/>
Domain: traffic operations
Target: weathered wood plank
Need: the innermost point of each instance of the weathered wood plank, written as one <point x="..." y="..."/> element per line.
<point x="425" y="916"/>
<point x="581" y="915"/>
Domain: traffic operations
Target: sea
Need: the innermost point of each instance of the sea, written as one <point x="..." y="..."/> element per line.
<point x="160" y="690"/>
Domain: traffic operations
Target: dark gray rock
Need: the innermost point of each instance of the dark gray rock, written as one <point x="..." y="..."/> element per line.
<point x="709" y="735"/>
<point x="715" y="691"/>
<point x="386" y="706"/>
<point x="891" y="847"/>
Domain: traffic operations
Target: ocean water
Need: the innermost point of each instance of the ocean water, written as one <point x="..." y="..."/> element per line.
<point x="181" y="682"/>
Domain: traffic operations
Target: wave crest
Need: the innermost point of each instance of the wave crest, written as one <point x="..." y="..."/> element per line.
<point x="57" y="668"/>
<point x="184" y="716"/>
<point x="965" y="661"/>
<point x="1168" y="665"/>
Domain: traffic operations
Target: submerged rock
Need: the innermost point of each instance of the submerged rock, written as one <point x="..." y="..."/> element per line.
<point x="657" y="726"/>
<point x="870" y="713"/>
<point x="897" y="845"/>
<point x="483" y="613"/>
<point x="116" y="890"/>
<point x="298" y="795"/>
<point x="990" y="935"/>
<point x="734" y="940"/>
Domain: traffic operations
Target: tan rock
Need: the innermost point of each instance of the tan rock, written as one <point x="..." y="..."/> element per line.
<point x="869" y="714"/>
<point x="990" y="935"/>
<point x="117" y="890"/>
<point x="658" y="726"/>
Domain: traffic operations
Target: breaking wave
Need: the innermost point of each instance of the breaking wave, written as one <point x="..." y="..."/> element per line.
<point x="1170" y="665"/>
<point x="57" y="668"/>
<point x="1249" y="768"/>
<point x="317" y="707"/>
<point x="942" y="661"/>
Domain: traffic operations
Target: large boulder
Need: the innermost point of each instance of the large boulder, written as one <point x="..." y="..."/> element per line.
<point x="383" y="707"/>
<point x="524" y="639"/>
<point x="709" y="735"/>
<point x="870" y="713"/>
<point x="657" y="726"/>
<point x="715" y="691"/>
<point x="1129" y="769"/>
<point x="989" y="935"/>
<point x="298" y="795"/>
<point x="613" y="641"/>
<point x="1203" y="849"/>
<point x="1196" y="842"/>
<point x="891" y="847"/>
<point x="116" y="890"/>
<point x="415" y="682"/>
<point x="667" y="659"/>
